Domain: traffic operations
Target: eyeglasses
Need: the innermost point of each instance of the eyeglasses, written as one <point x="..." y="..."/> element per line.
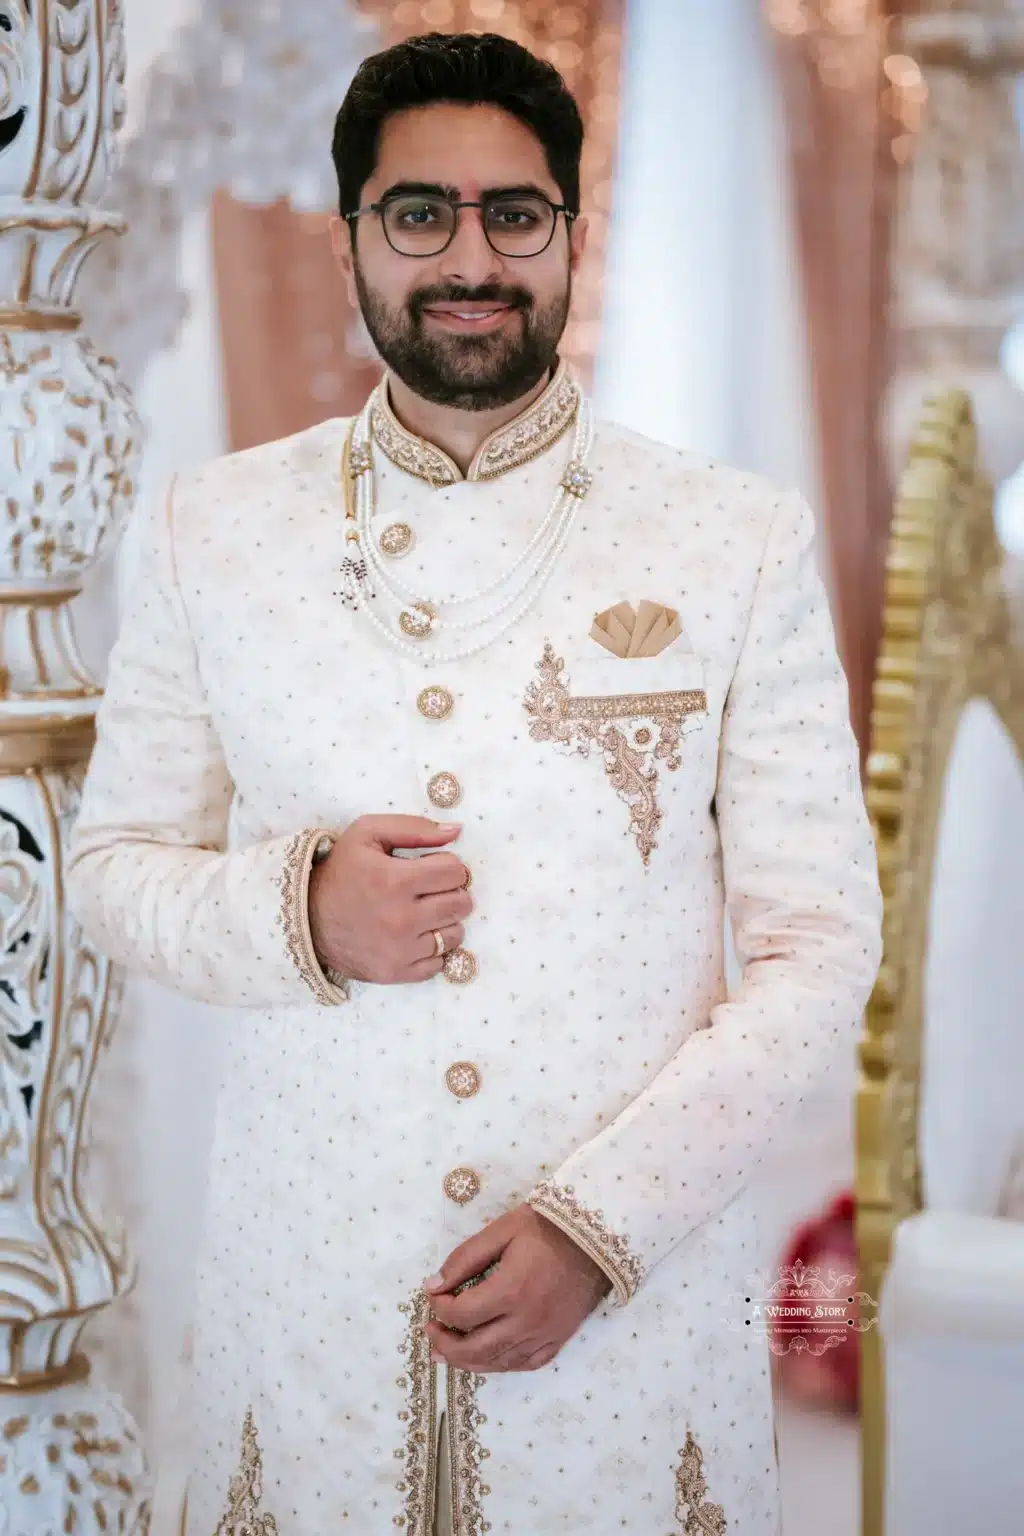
<point x="422" y="224"/>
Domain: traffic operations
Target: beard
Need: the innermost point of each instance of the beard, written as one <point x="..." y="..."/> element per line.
<point x="471" y="373"/>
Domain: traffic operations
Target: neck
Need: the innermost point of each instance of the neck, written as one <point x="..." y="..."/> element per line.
<point x="459" y="434"/>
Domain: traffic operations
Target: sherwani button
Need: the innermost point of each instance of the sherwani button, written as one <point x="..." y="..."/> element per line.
<point x="435" y="703"/>
<point x="460" y="967"/>
<point x="396" y="540"/>
<point x="463" y="1079"/>
<point x="444" y="791"/>
<point x="462" y="1185"/>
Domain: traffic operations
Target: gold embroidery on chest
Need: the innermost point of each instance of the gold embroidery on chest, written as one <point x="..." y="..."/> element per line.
<point x="418" y="1382"/>
<point x="245" y="1515"/>
<point x="468" y="1488"/>
<point x="696" y="1516"/>
<point x="631" y="756"/>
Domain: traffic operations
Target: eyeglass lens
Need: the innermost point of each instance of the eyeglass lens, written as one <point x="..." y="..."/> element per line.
<point x="420" y="225"/>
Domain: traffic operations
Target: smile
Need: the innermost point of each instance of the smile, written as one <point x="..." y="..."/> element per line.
<point x="470" y="319"/>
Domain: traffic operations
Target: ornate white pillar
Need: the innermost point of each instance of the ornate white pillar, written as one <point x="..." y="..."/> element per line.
<point x="958" y="266"/>
<point x="70" y="1457"/>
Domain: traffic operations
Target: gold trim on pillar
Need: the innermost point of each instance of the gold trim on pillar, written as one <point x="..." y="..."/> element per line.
<point x="24" y="317"/>
<point x="42" y="742"/>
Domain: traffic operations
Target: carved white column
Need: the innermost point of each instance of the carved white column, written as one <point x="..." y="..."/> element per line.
<point x="958" y="271"/>
<point x="70" y="1457"/>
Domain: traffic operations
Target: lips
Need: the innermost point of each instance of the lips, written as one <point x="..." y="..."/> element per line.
<point x="467" y="319"/>
<point x="467" y="311"/>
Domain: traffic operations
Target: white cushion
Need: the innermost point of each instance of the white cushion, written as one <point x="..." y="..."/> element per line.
<point x="955" y="1275"/>
<point x="972" y="1113"/>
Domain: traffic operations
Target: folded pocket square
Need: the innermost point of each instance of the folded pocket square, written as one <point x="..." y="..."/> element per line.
<point x="629" y="632"/>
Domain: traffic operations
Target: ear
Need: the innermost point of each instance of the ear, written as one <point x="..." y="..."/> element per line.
<point x="578" y="242"/>
<point x="344" y="254"/>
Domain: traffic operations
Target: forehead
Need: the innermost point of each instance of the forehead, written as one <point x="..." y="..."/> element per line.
<point x="468" y="147"/>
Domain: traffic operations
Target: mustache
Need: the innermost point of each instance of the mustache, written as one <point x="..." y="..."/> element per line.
<point x="458" y="293"/>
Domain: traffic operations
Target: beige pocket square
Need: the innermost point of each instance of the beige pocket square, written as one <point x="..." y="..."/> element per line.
<point x="643" y="631"/>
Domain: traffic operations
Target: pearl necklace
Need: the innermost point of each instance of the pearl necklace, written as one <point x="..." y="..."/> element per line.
<point x="418" y="615"/>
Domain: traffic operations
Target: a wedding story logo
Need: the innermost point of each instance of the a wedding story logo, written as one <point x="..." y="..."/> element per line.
<point x="800" y="1310"/>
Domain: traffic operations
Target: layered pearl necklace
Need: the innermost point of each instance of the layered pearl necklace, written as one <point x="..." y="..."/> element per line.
<point x="411" y="618"/>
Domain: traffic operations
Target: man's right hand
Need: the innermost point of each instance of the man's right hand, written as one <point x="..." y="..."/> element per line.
<point x="373" y="917"/>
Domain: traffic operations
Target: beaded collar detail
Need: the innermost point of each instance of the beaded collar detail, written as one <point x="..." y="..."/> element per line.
<point x="512" y="446"/>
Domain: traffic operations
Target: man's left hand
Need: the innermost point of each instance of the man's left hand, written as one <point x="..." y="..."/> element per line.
<point x="543" y="1289"/>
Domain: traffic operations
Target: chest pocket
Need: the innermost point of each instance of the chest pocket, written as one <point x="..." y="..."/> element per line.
<point x="633" y="714"/>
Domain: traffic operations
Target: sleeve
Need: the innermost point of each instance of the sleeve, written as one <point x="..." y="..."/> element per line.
<point x="149" y="877"/>
<point x="804" y="903"/>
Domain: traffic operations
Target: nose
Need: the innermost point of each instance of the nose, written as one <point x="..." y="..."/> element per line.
<point x="470" y="259"/>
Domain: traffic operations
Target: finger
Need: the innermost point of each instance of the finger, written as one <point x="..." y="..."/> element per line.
<point x="423" y="970"/>
<point x="453" y="936"/>
<point x="483" y="1303"/>
<point x="433" y="874"/>
<point x="473" y="1256"/>
<point x="391" y="832"/>
<point x="484" y="1348"/>
<point x="439" y="911"/>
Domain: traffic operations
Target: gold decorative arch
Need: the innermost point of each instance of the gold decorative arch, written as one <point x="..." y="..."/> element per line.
<point x="948" y="637"/>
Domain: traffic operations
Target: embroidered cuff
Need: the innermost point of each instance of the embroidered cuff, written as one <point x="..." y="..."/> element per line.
<point x="609" y="1251"/>
<point x="328" y="987"/>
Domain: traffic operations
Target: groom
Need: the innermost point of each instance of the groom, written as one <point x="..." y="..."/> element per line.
<point x="440" y="743"/>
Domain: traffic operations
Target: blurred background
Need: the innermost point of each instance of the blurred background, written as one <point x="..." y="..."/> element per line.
<point x="807" y="258"/>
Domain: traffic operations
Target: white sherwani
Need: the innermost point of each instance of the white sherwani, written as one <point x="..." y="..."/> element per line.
<point x="591" y="1059"/>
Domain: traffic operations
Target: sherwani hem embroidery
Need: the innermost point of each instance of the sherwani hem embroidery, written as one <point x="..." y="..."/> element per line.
<point x="293" y="917"/>
<point x="245" y="1515"/>
<point x="510" y="447"/>
<point x="609" y="1251"/>
<point x="696" y="1516"/>
<point x="419" y="1383"/>
<point x="464" y="1420"/>
<point x="580" y="723"/>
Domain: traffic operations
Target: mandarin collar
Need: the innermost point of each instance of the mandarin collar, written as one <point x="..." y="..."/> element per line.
<point x="510" y="447"/>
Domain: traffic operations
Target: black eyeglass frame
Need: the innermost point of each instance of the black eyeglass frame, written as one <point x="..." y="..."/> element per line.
<point x="381" y="209"/>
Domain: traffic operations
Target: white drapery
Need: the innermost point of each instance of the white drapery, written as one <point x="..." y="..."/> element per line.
<point x="704" y="341"/>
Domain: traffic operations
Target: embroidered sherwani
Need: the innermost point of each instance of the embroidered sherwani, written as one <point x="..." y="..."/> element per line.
<point x="582" y="1052"/>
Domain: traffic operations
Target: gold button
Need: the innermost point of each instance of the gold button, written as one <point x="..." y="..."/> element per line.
<point x="463" y="1079"/>
<point x="396" y="540"/>
<point x="460" y="967"/>
<point x="435" y="703"/>
<point x="444" y="791"/>
<point x="462" y="1185"/>
<point x="418" y="621"/>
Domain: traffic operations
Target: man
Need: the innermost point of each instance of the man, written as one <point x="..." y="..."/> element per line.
<point x="477" y="1203"/>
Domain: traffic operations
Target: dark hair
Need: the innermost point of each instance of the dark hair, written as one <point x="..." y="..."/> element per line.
<point x="465" y="67"/>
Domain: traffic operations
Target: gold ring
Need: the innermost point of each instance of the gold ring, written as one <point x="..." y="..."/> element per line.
<point x="439" y="944"/>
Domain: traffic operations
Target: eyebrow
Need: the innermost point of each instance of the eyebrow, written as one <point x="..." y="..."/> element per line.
<point x="436" y="189"/>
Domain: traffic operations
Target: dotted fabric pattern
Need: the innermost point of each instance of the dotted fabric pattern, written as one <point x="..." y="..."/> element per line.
<point x="246" y="703"/>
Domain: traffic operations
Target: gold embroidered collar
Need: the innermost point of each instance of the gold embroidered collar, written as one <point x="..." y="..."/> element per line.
<point x="510" y="447"/>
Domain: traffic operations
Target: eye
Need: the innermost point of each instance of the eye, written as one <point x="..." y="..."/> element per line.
<point x="415" y="212"/>
<point x="515" y="218"/>
<point x="6" y="24"/>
